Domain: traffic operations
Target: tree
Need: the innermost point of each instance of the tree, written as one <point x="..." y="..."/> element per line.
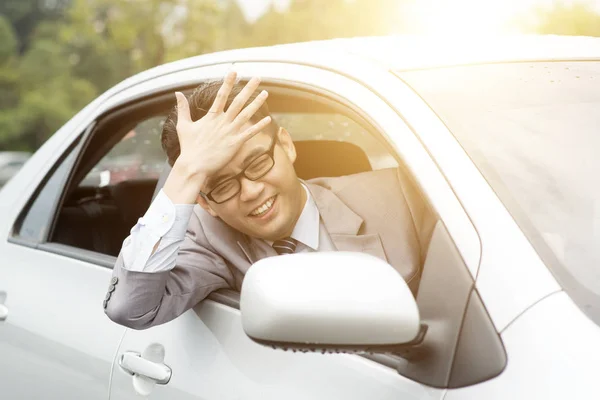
<point x="9" y="79"/>
<point x="72" y="50"/>
<point x="562" y="19"/>
<point x="57" y="55"/>
<point x="26" y="15"/>
<point x="232" y="29"/>
<point x="307" y="20"/>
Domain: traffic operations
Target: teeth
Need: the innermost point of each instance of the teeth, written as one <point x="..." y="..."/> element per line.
<point x="264" y="208"/>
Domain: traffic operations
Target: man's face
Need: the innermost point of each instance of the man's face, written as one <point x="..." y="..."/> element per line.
<point x="269" y="207"/>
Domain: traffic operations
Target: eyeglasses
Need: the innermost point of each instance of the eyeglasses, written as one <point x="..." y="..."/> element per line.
<point x="258" y="168"/>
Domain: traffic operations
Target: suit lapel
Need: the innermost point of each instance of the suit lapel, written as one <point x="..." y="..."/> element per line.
<point x="369" y="244"/>
<point x="343" y="224"/>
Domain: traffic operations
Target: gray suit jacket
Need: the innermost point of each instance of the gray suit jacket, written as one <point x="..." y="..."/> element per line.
<point x="372" y="212"/>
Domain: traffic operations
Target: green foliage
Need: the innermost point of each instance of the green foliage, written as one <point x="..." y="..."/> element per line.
<point x="8" y="41"/>
<point x="58" y="55"/>
<point x="573" y="19"/>
<point x="66" y="62"/>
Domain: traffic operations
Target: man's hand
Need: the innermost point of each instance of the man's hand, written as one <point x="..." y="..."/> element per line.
<point x="208" y="144"/>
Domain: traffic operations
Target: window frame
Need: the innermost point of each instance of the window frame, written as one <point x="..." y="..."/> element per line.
<point x="47" y="220"/>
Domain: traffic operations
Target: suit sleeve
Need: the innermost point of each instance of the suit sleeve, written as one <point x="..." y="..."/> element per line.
<point x="140" y="300"/>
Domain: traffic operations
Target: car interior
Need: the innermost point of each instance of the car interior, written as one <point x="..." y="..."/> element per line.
<point x="101" y="203"/>
<point x="98" y="217"/>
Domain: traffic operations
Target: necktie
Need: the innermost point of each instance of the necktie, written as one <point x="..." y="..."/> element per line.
<point x="285" y="246"/>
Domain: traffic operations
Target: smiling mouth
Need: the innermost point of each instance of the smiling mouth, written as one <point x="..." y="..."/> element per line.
<point x="264" y="208"/>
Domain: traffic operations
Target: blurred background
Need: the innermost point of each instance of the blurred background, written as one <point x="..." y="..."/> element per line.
<point x="58" y="55"/>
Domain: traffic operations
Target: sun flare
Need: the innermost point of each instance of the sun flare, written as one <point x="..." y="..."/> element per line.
<point x="461" y="17"/>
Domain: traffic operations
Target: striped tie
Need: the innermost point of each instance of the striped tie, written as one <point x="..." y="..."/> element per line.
<point x="285" y="246"/>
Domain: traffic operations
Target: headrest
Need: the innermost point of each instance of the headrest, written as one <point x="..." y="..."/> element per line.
<point x="325" y="158"/>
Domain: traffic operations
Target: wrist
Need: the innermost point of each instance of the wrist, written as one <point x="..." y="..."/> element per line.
<point x="191" y="172"/>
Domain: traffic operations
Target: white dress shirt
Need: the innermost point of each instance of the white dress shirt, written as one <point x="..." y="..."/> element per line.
<point x="168" y="222"/>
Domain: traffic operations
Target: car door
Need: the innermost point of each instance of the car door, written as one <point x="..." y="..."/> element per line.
<point x="55" y="341"/>
<point x="205" y="354"/>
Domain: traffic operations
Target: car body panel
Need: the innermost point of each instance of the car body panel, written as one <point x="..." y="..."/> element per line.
<point x="212" y="358"/>
<point x="56" y="341"/>
<point x="553" y="353"/>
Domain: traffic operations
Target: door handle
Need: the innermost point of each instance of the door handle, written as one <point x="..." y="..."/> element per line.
<point x="134" y="364"/>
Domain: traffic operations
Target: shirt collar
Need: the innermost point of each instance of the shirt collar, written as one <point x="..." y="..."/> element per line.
<point x="306" y="230"/>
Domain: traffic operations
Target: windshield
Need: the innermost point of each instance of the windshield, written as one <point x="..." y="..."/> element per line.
<point x="533" y="129"/>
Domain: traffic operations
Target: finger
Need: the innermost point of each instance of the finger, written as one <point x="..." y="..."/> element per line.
<point x="241" y="99"/>
<point x="183" y="108"/>
<point x="256" y="128"/>
<point x="219" y="104"/>
<point x="251" y="109"/>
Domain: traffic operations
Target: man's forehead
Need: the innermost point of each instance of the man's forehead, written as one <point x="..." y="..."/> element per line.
<point x="253" y="147"/>
<point x="260" y="141"/>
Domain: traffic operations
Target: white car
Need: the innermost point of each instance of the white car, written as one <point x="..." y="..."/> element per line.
<point x="500" y="137"/>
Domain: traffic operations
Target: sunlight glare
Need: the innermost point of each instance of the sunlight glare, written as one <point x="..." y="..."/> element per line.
<point x="462" y="17"/>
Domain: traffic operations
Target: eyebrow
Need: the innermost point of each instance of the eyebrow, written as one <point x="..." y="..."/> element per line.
<point x="213" y="181"/>
<point x="253" y="154"/>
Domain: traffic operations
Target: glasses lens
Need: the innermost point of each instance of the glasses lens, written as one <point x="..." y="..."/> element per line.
<point x="225" y="190"/>
<point x="259" y="167"/>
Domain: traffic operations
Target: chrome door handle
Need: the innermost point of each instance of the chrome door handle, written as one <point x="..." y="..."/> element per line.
<point x="134" y="364"/>
<point x="3" y="312"/>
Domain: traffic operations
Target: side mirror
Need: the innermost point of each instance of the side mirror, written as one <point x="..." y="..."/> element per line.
<point x="340" y="301"/>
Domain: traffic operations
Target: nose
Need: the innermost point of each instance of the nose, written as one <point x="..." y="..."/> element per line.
<point x="250" y="190"/>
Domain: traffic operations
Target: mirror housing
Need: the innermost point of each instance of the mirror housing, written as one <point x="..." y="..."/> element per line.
<point x="341" y="301"/>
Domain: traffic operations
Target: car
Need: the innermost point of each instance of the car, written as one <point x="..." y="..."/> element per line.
<point x="10" y="163"/>
<point x="498" y="139"/>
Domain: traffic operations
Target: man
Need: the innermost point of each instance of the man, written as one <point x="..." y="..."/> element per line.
<point x="234" y="189"/>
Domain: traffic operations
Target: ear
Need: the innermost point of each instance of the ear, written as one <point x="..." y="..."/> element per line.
<point x="287" y="144"/>
<point x="204" y="204"/>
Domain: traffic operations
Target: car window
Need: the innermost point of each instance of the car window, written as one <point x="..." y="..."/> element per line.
<point x="115" y="191"/>
<point x="337" y="127"/>
<point x="35" y="221"/>
<point x="138" y="155"/>
<point x="98" y="213"/>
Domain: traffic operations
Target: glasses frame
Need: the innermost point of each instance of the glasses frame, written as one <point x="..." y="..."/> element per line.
<point x="270" y="152"/>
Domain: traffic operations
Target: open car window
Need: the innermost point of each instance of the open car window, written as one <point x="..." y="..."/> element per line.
<point x="122" y="162"/>
<point x="138" y="155"/>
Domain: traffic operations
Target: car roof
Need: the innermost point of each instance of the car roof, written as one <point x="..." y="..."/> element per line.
<point x="397" y="52"/>
<point x="405" y="52"/>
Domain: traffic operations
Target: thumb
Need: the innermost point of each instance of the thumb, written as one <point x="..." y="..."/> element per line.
<point x="183" y="107"/>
